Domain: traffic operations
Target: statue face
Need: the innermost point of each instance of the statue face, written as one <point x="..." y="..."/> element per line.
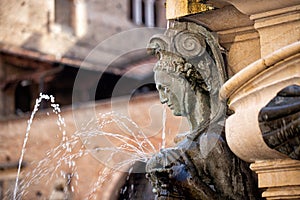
<point x="171" y="92"/>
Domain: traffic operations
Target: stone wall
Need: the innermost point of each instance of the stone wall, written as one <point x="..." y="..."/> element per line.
<point x="67" y="28"/>
<point x="37" y="25"/>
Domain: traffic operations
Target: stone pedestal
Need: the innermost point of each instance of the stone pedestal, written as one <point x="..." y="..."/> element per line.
<point x="254" y="85"/>
<point x="280" y="178"/>
<point x="249" y="91"/>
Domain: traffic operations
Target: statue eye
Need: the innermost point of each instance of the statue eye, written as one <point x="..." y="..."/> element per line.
<point x="166" y="90"/>
<point x="163" y="88"/>
<point x="158" y="87"/>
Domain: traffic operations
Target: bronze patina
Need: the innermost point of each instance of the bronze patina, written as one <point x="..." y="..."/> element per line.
<point x="188" y="76"/>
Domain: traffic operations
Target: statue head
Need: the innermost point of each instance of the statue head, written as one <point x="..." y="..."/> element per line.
<point x="178" y="82"/>
<point x="190" y="69"/>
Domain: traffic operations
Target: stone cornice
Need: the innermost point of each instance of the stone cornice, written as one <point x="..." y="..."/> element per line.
<point x="251" y="7"/>
<point x="239" y="34"/>
<point x="255" y="68"/>
<point x="276" y="17"/>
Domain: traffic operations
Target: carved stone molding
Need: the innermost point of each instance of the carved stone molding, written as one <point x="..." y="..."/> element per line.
<point x="249" y="91"/>
<point x="284" y="21"/>
<point x="280" y="178"/>
<point x="251" y="7"/>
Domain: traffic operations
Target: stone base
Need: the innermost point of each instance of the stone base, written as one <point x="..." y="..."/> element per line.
<point x="281" y="178"/>
<point x="288" y="192"/>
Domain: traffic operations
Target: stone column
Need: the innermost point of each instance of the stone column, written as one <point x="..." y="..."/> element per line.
<point x="79" y="17"/>
<point x="149" y="13"/>
<point x="137" y="11"/>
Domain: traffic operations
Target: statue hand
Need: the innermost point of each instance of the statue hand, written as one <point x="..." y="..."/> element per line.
<point x="164" y="169"/>
<point x="165" y="158"/>
<point x="173" y="174"/>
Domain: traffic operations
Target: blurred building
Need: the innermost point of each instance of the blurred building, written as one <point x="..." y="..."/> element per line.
<point x="43" y="45"/>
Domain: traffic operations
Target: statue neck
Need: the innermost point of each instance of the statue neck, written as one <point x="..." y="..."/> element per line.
<point x="199" y="111"/>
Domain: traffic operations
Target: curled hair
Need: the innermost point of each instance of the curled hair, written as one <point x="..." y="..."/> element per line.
<point x="176" y="65"/>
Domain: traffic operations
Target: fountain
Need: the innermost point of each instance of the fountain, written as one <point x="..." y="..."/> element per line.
<point x="60" y="162"/>
<point x="55" y="169"/>
<point x="123" y="150"/>
<point x="188" y="76"/>
<point x="202" y="165"/>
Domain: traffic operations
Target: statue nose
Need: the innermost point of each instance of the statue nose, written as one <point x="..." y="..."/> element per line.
<point x="163" y="97"/>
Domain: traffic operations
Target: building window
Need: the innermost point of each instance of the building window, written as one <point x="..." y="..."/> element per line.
<point x="143" y="12"/>
<point x="23" y="97"/>
<point x="71" y="15"/>
<point x="62" y="14"/>
<point x="8" y="173"/>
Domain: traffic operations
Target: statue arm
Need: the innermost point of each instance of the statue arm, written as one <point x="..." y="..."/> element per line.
<point x="174" y="175"/>
<point x="279" y="122"/>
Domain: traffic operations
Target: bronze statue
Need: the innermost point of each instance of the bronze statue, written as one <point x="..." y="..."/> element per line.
<point x="279" y="122"/>
<point x="188" y="76"/>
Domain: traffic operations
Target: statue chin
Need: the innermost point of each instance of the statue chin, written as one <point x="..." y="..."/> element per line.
<point x="176" y="113"/>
